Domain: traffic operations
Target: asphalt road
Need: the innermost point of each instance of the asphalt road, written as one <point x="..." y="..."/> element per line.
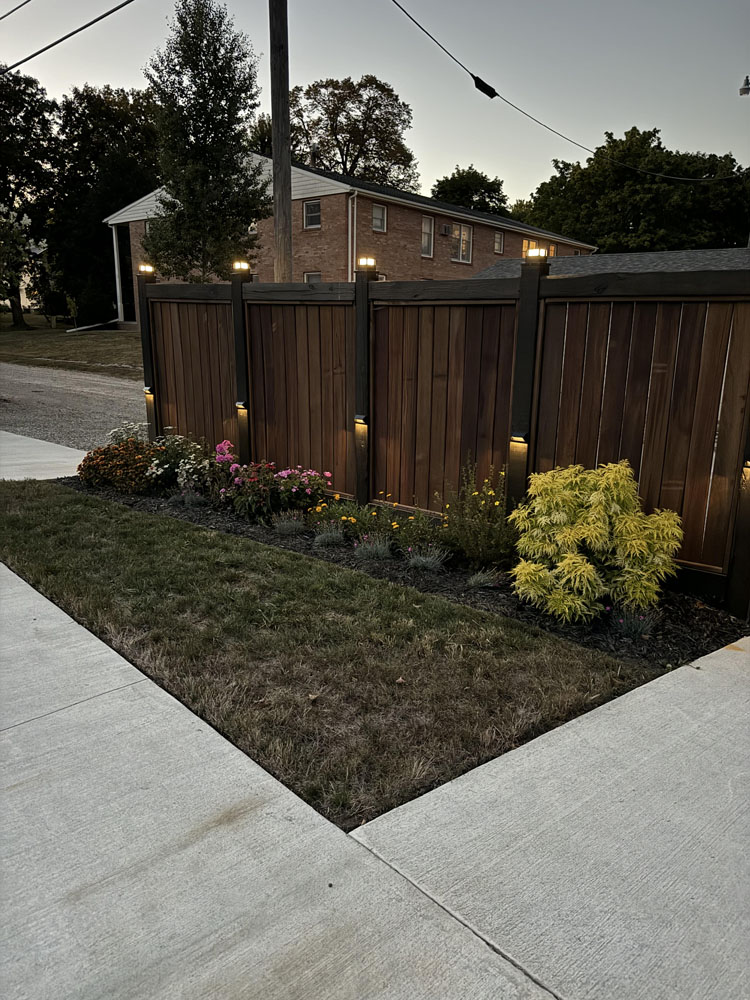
<point x="76" y="409"/>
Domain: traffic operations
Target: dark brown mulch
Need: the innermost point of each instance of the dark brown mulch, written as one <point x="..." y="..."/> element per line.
<point x="680" y="630"/>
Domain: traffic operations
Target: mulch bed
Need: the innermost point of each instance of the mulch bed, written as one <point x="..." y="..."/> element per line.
<point x="683" y="629"/>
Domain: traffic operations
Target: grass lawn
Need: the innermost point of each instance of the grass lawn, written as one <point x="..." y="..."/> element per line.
<point x="110" y="352"/>
<point x="358" y="694"/>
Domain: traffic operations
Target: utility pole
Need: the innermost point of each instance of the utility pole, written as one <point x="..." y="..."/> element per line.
<point x="282" y="159"/>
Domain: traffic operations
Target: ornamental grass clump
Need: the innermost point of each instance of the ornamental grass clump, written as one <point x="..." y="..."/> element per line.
<point x="289" y="523"/>
<point x="375" y="547"/>
<point x="428" y="558"/>
<point x="583" y="538"/>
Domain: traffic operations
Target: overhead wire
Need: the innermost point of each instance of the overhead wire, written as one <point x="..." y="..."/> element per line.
<point x="489" y="91"/>
<point x="76" y="31"/>
<point x="14" y="9"/>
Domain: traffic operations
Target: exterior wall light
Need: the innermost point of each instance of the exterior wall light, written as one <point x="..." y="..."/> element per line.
<point x="360" y="420"/>
<point x="241" y="265"/>
<point x="146" y="268"/>
<point x="538" y="252"/>
<point x="368" y="262"/>
<point x="148" y="390"/>
<point x="240" y="406"/>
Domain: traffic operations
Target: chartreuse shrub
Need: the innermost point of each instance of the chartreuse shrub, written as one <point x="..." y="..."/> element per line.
<point x="583" y="537"/>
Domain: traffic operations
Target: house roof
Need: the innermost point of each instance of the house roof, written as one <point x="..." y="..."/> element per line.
<point x="310" y="182"/>
<point x="732" y="259"/>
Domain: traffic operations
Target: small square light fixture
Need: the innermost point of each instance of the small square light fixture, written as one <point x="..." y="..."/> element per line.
<point x="538" y="252"/>
<point x="240" y="405"/>
<point x="146" y="268"/>
<point x="241" y="265"/>
<point x="148" y="390"/>
<point x="366" y="262"/>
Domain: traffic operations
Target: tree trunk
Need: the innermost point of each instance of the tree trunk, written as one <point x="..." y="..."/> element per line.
<point x="16" y="310"/>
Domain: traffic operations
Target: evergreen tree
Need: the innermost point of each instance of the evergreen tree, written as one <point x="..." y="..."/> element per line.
<point x="205" y="83"/>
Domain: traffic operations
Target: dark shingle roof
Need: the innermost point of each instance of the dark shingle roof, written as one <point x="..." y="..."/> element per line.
<point x="441" y="206"/>
<point x="734" y="259"/>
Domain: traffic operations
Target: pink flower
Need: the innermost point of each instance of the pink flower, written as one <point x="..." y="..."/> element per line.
<point x="234" y="467"/>
<point x="327" y="475"/>
<point x="237" y="481"/>
<point x="308" y="490"/>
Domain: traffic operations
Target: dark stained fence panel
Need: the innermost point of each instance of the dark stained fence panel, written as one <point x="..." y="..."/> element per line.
<point x="193" y="347"/>
<point x="661" y="384"/>
<point x="301" y="377"/>
<point x="441" y="396"/>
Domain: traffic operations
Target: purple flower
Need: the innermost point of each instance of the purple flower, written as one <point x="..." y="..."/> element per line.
<point x="237" y="481"/>
<point x="234" y="467"/>
<point x="608" y="608"/>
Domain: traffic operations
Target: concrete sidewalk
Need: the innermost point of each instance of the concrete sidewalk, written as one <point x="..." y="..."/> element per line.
<point x="145" y="858"/>
<point x="28" y="458"/>
<point x="609" y="857"/>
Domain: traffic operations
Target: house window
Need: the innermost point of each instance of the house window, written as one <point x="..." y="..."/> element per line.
<point x="428" y="235"/>
<point x="552" y="250"/>
<point x="379" y="218"/>
<point x="462" y="237"/>
<point x="312" y="214"/>
<point x="529" y="245"/>
<point x="499" y="242"/>
<point x="312" y="276"/>
<point x="576" y="253"/>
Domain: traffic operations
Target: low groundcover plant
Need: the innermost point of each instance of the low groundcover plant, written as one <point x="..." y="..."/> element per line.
<point x="583" y="537"/>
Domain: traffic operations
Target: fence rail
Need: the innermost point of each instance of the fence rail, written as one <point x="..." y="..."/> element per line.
<point x="392" y="386"/>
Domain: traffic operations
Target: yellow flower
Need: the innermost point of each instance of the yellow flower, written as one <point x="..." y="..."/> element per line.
<point x="318" y="510"/>
<point x="388" y="495"/>
<point x="491" y="492"/>
<point x="381" y="492"/>
<point x="393" y="524"/>
<point x="336" y="496"/>
<point x="475" y="493"/>
<point x="373" y="513"/>
<point x="344" y="517"/>
<point x="353" y="520"/>
<point x="411" y="518"/>
<point x="324" y="505"/>
<point x="497" y="503"/>
<point x="447" y="506"/>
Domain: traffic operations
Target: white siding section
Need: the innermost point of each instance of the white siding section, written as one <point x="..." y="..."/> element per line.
<point x="144" y="208"/>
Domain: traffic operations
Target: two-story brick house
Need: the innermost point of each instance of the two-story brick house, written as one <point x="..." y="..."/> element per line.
<point x="337" y="219"/>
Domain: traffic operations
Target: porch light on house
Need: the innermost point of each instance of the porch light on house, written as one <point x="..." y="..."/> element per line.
<point x="537" y="252"/>
<point x="146" y="268"/>
<point x="148" y="390"/>
<point x="368" y="262"/>
<point x="241" y="265"/>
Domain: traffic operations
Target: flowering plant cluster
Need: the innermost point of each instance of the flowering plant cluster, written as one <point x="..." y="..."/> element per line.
<point x="258" y="490"/>
<point x="123" y="466"/>
<point x="474" y="519"/>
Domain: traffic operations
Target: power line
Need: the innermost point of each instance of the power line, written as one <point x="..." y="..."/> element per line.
<point x="18" y="7"/>
<point x="70" y="34"/>
<point x="489" y="91"/>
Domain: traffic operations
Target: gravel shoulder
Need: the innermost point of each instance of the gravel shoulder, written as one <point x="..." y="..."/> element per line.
<point x="75" y="409"/>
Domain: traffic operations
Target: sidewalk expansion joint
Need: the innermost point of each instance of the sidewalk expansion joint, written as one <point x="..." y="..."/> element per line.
<point x="64" y="708"/>
<point x="465" y="923"/>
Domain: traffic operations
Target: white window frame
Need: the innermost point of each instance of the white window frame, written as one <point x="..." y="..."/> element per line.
<point x="313" y="201"/>
<point x="377" y="204"/>
<point x="461" y="226"/>
<point x="501" y="234"/>
<point x="312" y="277"/>
<point x="431" y="220"/>
<point x="576" y="253"/>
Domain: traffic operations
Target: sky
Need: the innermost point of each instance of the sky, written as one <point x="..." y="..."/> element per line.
<point x="582" y="66"/>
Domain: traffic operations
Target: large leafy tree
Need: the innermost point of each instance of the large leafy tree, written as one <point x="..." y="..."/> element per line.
<point x="472" y="188"/>
<point x="27" y="148"/>
<point x="106" y="159"/>
<point x="354" y="128"/>
<point x="621" y="210"/>
<point x="205" y="83"/>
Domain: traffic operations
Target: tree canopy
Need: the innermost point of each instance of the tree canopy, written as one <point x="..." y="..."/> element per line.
<point x="205" y="84"/>
<point x="27" y="150"/>
<point x="621" y="210"/>
<point x="354" y="128"/>
<point x="471" y="188"/>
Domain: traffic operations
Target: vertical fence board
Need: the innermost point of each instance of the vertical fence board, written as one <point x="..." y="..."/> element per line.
<point x="351" y="399"/>
<point x="405" y="489"/>
<point x="395" y="357"/>
<point x="472" y="370"/>
<point x="316" y="387"/>
<point x="659" y="399"/>
<point x="339" y="398"/>
<point x="571" y="383"/>
<point x="487" y="388"/>
<point x="439" y="403"/>
<point x="615" y="379"/>
<point x="379" y="400"/>
<point x="302" y="384"/>
<point x="454" y="409"/>
<point x="549" y="390"/>
<point x="636" y="389"/>
<point x="597" y="335"/>
<point x="425" y="381"/>
<point x="504" y="386"/>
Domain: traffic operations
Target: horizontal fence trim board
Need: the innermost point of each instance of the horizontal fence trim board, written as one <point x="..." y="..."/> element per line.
<point x="659" y="284"/>
<point x="298" y="293"/>
<point x="474" y="290"/>
<point x="190" y="293"/>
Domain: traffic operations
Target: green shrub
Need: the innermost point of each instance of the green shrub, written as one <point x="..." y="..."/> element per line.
<point x="123" y="466"/>
<point x="474" y="519"/>
<point x="583" y="537"/>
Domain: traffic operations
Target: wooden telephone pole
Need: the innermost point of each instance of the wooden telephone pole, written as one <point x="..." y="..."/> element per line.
<point x="280" y="137"/>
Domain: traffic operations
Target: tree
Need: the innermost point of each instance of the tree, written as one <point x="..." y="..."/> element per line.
<point x="204" y="81"/>
<point x="621" y="210"/>
<point x="471" y="188"/>
<point x="261" y="136"/>
<point x="106" y="159"/>
<point x="356" y="129"/>
<point x="27" y="143"/>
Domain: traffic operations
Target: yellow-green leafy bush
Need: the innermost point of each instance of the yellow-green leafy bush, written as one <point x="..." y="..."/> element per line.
<point x="583" y="537"/>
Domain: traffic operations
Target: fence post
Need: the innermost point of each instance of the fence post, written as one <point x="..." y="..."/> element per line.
<point x="147" y="350"/>
<point x="738" y="581"/>
<point x="523" y="378"/>
<point x="241" y="372"/>
<point x="362" y="281"/>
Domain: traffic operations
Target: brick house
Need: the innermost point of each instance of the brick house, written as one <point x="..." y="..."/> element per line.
<point x="337" y="219"/>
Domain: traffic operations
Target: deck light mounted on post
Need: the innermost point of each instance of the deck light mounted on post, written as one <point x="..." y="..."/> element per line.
<point x="241" y="265"/>
<point x="537" y="253"/>
<point x="745" y="88"/>
<point x="366" y="263"/>
<point x="146" y="268"/>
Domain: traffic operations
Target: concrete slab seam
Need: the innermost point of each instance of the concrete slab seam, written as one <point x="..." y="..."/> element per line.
<point x="463" y="921"/>
<point x="64" y="708"/>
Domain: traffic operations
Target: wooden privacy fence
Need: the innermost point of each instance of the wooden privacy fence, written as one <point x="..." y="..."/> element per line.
<point x="393" y="386"/>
